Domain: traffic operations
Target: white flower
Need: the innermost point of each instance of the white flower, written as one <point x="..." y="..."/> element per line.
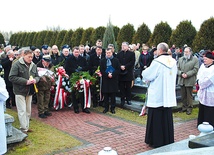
<point x="81" y="81"/>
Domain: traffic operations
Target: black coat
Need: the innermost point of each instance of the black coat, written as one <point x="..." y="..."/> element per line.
<point x="72" y="64"/>
<point x="128" y="60"/>
<point x="36" y="60"/>
<point x="56" y="59"/>
<point x="94" y="62"/>
<point x="110" y="85"/>
<point x="6" y="64"/>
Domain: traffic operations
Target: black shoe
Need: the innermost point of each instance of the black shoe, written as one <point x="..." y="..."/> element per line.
<point x="189" y="111"/>
<point x="113" y="111"/>
<point x="129" y="103"/>
<point x="122" y="103"/>
<point x="86" y="111"/>
<point x="42" y="116"/>
<point x="47" y="113"/>
<point x="76" y="111"/>
<point x="105" y="111"/>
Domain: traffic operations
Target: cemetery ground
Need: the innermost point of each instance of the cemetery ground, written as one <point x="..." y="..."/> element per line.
<point x="86" y="134"/>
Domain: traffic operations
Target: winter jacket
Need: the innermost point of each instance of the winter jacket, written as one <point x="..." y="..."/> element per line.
<point x="19" y="74"/>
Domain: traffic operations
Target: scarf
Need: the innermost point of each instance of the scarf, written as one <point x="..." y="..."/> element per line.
<point x="108" y="62"/>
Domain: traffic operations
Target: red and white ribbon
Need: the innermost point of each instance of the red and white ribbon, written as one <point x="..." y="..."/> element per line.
<point x="60" y="98"/>
<point x="87" y="94"/>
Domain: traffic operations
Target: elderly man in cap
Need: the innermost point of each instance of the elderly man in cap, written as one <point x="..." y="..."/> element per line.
<point x="45" y="85"/>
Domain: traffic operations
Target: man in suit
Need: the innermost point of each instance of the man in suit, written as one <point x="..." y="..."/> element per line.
<point x="94" y="62"/>
<point x="76" y="63"/>
<point x="127" y="61"/>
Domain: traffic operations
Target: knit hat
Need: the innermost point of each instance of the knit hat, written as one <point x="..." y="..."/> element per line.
<point x="209" y="54"/>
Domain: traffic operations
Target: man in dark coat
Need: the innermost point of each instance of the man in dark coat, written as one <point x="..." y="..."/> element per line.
<point x="94" y="62"/>
<point x="6" y="64"/>
<point x="127" y="60"/>
<point x="76" y="63"/>
<point x="110" y="69"/>
<point x="36" y="56"/>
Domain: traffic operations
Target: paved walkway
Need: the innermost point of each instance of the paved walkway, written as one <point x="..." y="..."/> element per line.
<point x="98" y="130"/>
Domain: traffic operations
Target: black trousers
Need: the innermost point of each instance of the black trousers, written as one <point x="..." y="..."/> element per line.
<point x="110" y="96"/>
<point x="76" y="98"/>
<point x="11" y="99"/>
<point x="125" y="90"/>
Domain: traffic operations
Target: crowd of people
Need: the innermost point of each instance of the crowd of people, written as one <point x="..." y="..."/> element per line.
<point x="161" y="67"/>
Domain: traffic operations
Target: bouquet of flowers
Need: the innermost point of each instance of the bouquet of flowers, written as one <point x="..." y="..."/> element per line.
<point x="78" y="78"/>
<point x="62" y="88"/>
<point x="80" y="82"/>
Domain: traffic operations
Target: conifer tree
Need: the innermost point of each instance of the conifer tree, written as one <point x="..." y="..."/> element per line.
<point x="67" y="38"/>
<point x="86" y="36"/>
<point x="184" y="33"/>
<point x="108" y="37"/>
<point x="125" y="34"/>
<point x="161" y="33"/>
<point x="205" y="36"/>
<point x="142" y="35"/>
<point x="77" y="36"/>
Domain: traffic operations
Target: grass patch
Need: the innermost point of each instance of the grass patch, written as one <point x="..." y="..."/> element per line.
<point x="44" y="140"/>
<point x="134" y="116"/>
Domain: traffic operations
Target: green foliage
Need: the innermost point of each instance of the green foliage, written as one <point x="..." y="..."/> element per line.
<point x="77" y="36"/>
<point x="98" y="33"/>
<point x="116" y="32"/>
<point x="44" y="135"/>
<point x="142" y="35"/>
<point x="1" y="39"/>
<point x="24" y="37"/>
<point x="34" y="43"/>
<point x="205" y="36"/>
<point x="183" y="34"/>
<point x="17" y="42"/>
<point x="108" y="37"/>
<point x="60" y="38"/>
<point x="30" y="38"/>
<point x="53" y="39"/>
<point x="67" y="38"/>
<point x="12" y="39"/>
<point x="86" y="36"/>
<point x="125" y="34"/>
<point x="76" y="76"/>
<point x="48" y="37"/>
<point x="40" y="38"/>
<point x="161" y="33"/>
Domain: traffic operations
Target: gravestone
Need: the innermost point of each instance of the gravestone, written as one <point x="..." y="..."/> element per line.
<point x="13" y="135"/>
<point x="202" y="141"/>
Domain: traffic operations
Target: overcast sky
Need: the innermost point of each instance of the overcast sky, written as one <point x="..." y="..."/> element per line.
<point x="37" y="15"/>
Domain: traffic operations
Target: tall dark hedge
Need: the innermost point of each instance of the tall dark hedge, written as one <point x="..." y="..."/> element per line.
<point x="161" y="33"/>
<point x="98" y="33"/>
<point x="77" y="36"/>
<point x="60" y="38"/>
<point x="86" y="36"/>
<point x="184" y="33"/>
<point x="67" y="38"/>
<point x="142" y="35"/>
<point x="125" y="34"/>
<point x="2" y="39"/>
<point x="205" y="36"/>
